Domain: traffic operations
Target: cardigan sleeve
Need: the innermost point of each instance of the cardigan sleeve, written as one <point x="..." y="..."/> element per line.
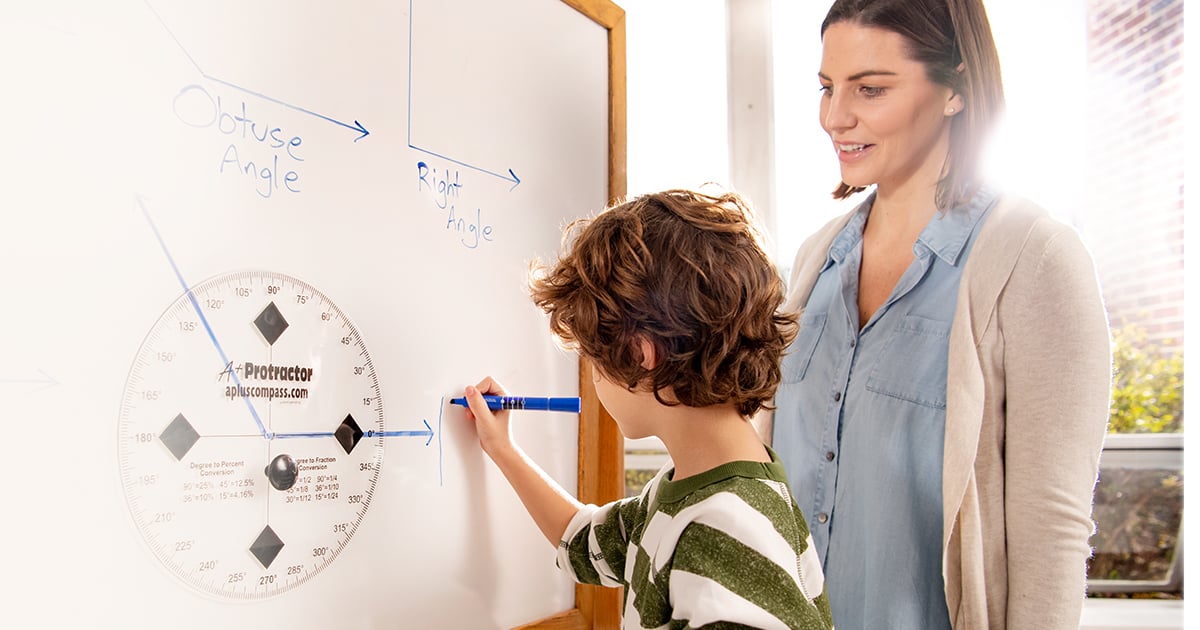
<point x="1058" y="372"/>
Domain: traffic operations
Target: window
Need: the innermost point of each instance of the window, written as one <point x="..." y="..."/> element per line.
<point x="1138" y="509"/>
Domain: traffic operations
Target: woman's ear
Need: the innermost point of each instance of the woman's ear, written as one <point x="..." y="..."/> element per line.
<point x="956" y="103"/>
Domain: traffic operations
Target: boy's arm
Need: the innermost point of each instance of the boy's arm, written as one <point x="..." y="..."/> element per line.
<point x="550" y="506"/>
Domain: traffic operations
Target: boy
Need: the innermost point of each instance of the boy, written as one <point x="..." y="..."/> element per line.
<point x="673" y="302"/>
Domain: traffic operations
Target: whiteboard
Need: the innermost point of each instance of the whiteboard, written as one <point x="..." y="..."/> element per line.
<point x="379" y="174"/>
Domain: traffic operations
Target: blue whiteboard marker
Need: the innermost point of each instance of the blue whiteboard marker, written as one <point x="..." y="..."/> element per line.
<point x="528" y="403"/>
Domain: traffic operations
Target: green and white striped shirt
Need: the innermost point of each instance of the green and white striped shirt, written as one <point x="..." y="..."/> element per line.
<point x="727" y="548"/>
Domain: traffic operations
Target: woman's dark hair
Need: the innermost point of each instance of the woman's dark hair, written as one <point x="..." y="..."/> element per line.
<point x="942" y="35"/>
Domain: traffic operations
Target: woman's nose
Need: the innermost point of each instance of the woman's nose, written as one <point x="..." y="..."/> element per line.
<point x="836" y="114"/>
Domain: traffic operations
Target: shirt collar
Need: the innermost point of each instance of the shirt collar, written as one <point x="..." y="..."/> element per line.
<point x="945" y="236"/>
<point x="851" y="233"/>
<point x="948" y="232"/>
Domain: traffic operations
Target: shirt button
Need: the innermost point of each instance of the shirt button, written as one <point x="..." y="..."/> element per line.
<point x="853" y="342"/>
<point x="829" y="456"/>
<point x="837" y="396"/>
<point x="822" y="518"/>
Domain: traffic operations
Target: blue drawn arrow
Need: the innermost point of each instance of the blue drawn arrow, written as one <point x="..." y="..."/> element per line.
<point x="46" y="380"/>
<point x="428" y="432"/>
<point x="357" y="126"/>
<point x="510" y="177"/>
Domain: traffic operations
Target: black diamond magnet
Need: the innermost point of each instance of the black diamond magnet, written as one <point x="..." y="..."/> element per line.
<point x="266" y="547"/>
<point x="348" y="434"/>
<point x="179" y="437"/>
<point x="270" y="323"/>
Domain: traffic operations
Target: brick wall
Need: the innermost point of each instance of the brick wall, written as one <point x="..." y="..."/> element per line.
<point x="1134" y="165"/>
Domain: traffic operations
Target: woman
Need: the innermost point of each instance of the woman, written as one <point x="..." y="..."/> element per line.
<point x="943" y="408"/>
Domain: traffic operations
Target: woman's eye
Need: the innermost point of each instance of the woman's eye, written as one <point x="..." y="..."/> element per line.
<point x="871" y="91"/>
<point x="826" y="90"/>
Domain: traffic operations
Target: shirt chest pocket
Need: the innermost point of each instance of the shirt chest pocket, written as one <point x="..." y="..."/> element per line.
<point x="799" y="355"/>
<point x="913" y="363"/>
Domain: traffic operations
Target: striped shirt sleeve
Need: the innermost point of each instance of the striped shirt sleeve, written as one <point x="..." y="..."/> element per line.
<point x="596" y="542"/>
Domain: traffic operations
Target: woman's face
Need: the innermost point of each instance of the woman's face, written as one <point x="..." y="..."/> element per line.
<point x="889" y="123"/>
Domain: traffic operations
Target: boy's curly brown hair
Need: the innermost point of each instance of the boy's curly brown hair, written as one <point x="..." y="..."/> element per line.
<point x="687" y="272"/>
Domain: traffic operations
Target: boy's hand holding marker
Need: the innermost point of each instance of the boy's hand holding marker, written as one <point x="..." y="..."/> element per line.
<point x="488" y="398"/>
<point x="492" y="426"/>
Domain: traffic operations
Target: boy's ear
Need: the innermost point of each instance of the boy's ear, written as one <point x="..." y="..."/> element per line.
<point x="649" y="357"/>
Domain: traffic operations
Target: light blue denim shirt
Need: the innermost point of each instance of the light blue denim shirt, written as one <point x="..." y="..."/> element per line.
<point x="859" y="424"/>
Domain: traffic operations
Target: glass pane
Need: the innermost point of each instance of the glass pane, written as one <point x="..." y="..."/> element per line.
<point x="1138" y="510"/>
<point x="643" y="459"/>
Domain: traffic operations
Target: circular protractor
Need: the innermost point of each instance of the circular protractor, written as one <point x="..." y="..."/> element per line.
<point x="250" y="436"/>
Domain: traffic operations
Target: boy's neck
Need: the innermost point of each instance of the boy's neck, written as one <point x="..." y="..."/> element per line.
<point x="700" y="439"/>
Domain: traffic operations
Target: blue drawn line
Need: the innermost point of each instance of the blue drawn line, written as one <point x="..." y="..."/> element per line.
<point x="511" y="177"/>
<point x="204" y="320"/>
<point x="172" y="34"/>
<point x="357" y="126"/>
<point x="441" y="477"/>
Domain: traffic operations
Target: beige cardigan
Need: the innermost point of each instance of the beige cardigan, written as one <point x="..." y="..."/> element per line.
<point x="1028" y="390"/>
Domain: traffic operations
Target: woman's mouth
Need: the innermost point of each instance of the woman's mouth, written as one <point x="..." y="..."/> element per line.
<point x="852" y="152"/>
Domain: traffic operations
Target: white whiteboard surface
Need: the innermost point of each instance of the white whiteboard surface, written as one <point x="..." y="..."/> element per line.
<point x="114" y="133"/>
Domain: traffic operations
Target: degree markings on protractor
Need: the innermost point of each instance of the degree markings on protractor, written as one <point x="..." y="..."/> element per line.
<point x="250" y="438"/>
